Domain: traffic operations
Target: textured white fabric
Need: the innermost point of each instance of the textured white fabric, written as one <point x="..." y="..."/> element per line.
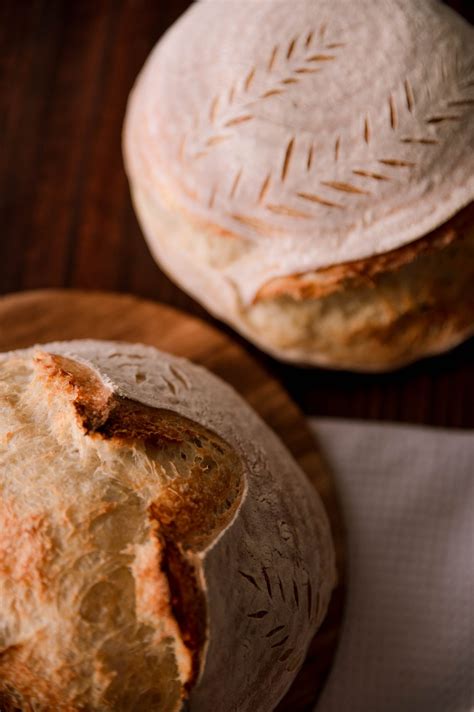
<point x="407" y="642"/>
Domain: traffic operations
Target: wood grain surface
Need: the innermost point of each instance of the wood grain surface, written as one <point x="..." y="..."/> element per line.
<point x="41" y="316"/>
<point x="65" y="215"/>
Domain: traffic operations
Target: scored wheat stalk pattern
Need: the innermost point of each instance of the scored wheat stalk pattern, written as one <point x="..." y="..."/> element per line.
<point x="286" y="66"/>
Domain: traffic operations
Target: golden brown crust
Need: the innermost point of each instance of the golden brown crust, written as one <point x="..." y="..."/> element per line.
<point x="119" y="623"/>
<point x="187" y="602"/>
<point x="323" y="282"/>
<point x="179" y="527"/>
<point x="422" y="330"/>
<point x="21" y="686"/>
<point x="31" y="538"/>
<point x="90" y="396"/>
<point x="424" y="307"/>
<point x="124" y="421"/>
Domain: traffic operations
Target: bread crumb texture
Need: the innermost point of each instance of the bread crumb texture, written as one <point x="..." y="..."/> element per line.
<point x="146" y="555"/>
<point x="98" y="584"/>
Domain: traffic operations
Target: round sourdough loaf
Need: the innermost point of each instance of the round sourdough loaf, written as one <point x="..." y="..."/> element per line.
<point x="305" y="169"/>
<point x="158" y="544"/>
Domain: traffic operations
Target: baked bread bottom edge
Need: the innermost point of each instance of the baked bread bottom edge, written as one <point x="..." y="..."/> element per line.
<point x="375" y="314"/>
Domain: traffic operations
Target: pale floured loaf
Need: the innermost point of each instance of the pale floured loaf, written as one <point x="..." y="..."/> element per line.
<point x="305" y="168"/>
<point x="158" y="544"/>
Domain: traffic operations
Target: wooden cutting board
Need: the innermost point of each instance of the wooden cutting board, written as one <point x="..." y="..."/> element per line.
<point x="50" y="315"/>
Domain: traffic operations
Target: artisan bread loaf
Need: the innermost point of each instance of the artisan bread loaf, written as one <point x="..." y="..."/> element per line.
<point x="158" y="544"/>
<point x="306" y="171"/>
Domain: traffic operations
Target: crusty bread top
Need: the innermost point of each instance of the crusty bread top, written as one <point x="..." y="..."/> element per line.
<point x="317" y="131"/>
<point x="327" y="280"/>
<point x="157" y="541"/>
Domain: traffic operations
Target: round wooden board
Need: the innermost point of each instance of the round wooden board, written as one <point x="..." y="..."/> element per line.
<point x="50" y="315"/>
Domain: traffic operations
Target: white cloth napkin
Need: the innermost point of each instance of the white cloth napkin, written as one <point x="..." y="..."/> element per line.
<point x="407" y="494"/>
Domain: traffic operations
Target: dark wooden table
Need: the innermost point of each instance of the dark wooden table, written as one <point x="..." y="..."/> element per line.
<point x="65" y="216"/>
